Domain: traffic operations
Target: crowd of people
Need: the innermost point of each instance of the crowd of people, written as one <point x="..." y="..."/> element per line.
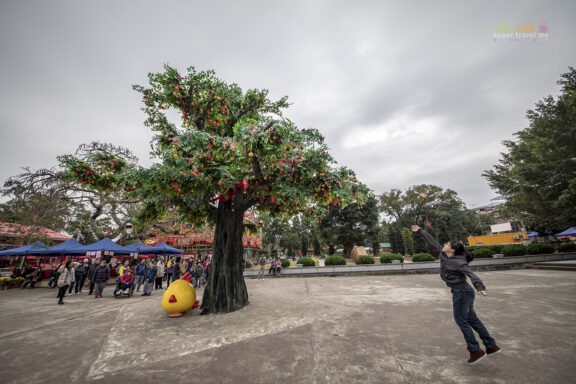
<point x="140" y="276"/>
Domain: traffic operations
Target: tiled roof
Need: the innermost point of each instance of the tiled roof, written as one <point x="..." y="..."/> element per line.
<point x="19" y="230"/>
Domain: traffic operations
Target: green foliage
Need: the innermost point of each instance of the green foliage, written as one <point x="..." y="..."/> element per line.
<point x="536" y="174"/>
<point x="514" y="250"/>
<point x="497" y="248"/>
<point x="483" y="252"/>
<point x="335" y="260"/>
<point x="391" y="256"/>
<point x="539" y="249"/>
<point x="365" y="260"/>
<point x="567" y="247"/>
<point x="420" y="257"/>
<point x="446" y="212"/>
<point x="247" y="264"/>
<point x="408" y="241"/>
<point x="307" y="262"/>
<point x="285" y="263"/>
<point x="350" y="225"/>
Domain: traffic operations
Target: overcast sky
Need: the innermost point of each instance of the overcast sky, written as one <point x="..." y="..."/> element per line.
<point x="406" y="92"/>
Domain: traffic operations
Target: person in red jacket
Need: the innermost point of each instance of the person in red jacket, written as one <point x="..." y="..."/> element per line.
<point x="126" y="281"/>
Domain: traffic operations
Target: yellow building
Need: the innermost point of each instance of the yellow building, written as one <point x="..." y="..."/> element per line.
<point x="498" y="239"/>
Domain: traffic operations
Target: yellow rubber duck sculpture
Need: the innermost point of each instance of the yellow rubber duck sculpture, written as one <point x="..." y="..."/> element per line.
<point x="179" y="297"/>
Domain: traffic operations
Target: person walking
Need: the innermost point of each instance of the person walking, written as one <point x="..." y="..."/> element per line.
<point x="101" y="276"/>
<point x="262" y="262"/>
<point x="176" y="269"/>
<point x="169" y="270"/>
<point x="65" y="279"/>
<point x="453" y="270"/>
<point x="159" y="273"/>
<point x="90" y="274"/>
<point x="80" y="274"/>
<point x="139" y="274"/>
<point x="198" y="273"/>
<point x="149" y="279"/>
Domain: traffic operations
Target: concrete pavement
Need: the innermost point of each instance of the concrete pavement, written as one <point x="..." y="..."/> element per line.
<point x="345" y="329"/>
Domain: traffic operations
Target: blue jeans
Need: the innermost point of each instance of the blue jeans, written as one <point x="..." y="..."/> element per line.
<point x="138" y="280"/>
<point x="463" y="305"/>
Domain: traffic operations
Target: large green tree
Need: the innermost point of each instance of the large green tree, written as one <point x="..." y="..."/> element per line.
<point x="351" y="225"/>
<point x="227" y="152"/>
<point x="425" y="204"/>
<point x="537" y="174"/>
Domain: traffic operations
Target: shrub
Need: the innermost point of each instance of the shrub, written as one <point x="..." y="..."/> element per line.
<point x="365" y="260"/>
<point x="470" y="248"/>
<point x="483" y="252"/>
<point x="567" y="247"/>
<point x="391" y="256"/>
<point x="285" y="263"/>
<point x="539" y="249"/>
<point x="247" y="264"/>
<point x="497" y="248"/>
<point x="307" y="262"/>
<point x="514" y="250"/>
<point x="335" y="260"/>
<point x="420" y="257"/>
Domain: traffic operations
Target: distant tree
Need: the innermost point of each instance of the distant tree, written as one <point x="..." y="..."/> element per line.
<point x="408" y="241"/>
<point x="537" y="175"/>
<point x="231" y="152"/>
<point x="422" y="204"/>
<point x="50" y="197"/>
<point x="351" y="225"/>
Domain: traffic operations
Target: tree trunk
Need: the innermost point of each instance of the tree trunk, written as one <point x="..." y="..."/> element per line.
<point x="226" y="290"/>
<point x="348" y="250"/>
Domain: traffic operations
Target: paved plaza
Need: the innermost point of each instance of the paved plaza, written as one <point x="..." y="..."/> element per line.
<point x="348" y="329"/>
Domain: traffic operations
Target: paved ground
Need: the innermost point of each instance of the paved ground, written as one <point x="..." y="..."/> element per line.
<point x="364" y="329"/>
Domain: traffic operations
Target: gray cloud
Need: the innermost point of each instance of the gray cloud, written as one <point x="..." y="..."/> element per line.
<point x="405" y="92"/>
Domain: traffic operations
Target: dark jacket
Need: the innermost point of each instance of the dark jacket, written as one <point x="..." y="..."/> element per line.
<point x="150" y="274"/>
<point x="176" y="271"/>
<point x="91" y="271"/>
<point x="141" y="270"/>
<point x="453" y="270"/>
<point x="101" y="274"/>
<point x="79" y="271"/>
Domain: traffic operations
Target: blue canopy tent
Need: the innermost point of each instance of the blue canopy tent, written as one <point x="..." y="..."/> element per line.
<point x="533" y="234"/>
<point x="103" y="246"/>
<point x="36" y="248"/>
<point x="161" y="248"/>
<point x="69" y="247"/>
<point x="570" y="232"/>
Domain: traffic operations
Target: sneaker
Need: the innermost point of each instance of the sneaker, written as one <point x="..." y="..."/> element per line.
<point x="138" y="291"/>
<point x="101" y="296"/>
<point x="96" y="296"/>
<point x="476" y="356"/>
<point x="60" y="302"/>
<point x="493" y="350"/>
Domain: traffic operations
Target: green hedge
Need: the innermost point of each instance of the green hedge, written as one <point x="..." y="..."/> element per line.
<point x="335" y="260"/>
<point x="391" y="256"/>
<point x="514" y="250"/>
<point x="483" y="252"/>
<point x="285" y="263"/>
<point x="419" y="257"/>
<point x="497" y="248"/>
<point x="307" y="262"/>
<point x="539" y="249"/>
<point x="365" y="260"/>
<point x="567" y="247"/>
